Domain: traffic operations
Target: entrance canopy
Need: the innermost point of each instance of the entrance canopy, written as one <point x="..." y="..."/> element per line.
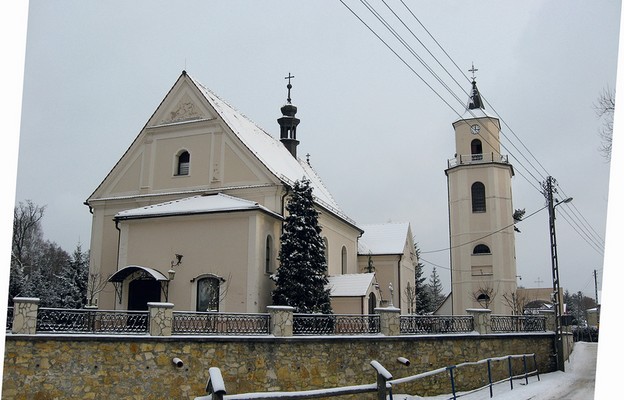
<point x="140" y="274"/>
<point x="148" y="273"/>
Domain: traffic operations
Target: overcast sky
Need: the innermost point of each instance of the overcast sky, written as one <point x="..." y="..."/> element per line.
<point x="376" y="133"/>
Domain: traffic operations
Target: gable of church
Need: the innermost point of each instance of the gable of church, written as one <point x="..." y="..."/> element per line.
<point x="184" y="122"/>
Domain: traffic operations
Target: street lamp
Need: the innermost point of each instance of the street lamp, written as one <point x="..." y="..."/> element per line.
<point x="555" y="271"/>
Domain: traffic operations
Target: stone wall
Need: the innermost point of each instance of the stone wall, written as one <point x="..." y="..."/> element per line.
<point x="43" y="367"/>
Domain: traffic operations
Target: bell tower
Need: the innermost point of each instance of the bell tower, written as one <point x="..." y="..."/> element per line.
<point x="288" y="123"/>
<point x="483" y="260"/>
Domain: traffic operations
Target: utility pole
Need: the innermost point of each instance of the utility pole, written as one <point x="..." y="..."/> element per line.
<point x="549" y="189"/>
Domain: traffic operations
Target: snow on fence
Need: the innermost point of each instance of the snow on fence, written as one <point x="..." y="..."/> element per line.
<point x="206" y="323"/>
<point x="518" y="323"/>
<point x="27" y="318"/>
<point x="384" y="386"/>
<point x="428" y="324"/>
<point x="61" y="320"/>
<point x="335" y="324"/>
<point x="488" y="362"/>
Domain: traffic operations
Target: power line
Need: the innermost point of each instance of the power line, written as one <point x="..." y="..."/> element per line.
<point x="404" y="43"/>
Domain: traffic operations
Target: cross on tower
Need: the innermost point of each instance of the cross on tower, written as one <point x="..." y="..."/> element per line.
<point x="538" y="281"/>
<point x="289" y="86"/>
<point x="473" y="70"/>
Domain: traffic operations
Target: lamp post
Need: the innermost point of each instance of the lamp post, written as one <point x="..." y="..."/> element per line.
<point x="552" y="203"/>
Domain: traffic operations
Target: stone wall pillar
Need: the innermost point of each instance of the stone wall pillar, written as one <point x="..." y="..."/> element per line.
<point x="160" y="319"/>
<point x="25" y="311"/>
<point x="482" y="320"/>
<point x="389" y="321"/>
<point x="551" y="323"/>
<point x="281" y="320"/>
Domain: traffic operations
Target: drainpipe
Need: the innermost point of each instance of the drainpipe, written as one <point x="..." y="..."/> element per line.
<point x="399" y="279"/>
<point x="284" y="206"/>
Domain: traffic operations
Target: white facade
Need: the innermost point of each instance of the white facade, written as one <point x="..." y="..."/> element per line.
<point x="201" y="192"/>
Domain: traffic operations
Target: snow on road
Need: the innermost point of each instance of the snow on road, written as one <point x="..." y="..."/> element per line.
<point x="577" y="383"/>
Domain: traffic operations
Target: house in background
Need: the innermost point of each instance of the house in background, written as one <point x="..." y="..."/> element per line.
<point x="390" y="249"/>
<point x="192" y="212"/>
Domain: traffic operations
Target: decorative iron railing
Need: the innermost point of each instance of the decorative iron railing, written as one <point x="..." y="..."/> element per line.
<point x="335" y="324"/>
<point x="9" y="320"/>
<point x="425" y="324"/>
<point x="211" y="323"/>
<point x="464" y="159"/>
<point x="61" y="320"/>
<point x="518" y="323"/>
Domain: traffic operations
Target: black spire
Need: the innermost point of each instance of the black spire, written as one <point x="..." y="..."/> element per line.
<point x="475" y="97"/>
<point x="288" y="122"/>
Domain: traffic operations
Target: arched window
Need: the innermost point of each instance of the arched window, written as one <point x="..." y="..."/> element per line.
<point x="184" y="163"/>
<point x="208" y="293"/>
<point x="481" y="249"/>
<point x="478" y="197"/>
<point x="268" y="258"/>
<point x="344" y="260"/>
<point x="476" y="149"/>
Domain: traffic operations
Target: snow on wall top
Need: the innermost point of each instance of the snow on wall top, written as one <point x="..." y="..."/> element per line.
<point x="270" y="151"/>
<point x="350" y="285"/>
<point x="192" y="205"/>
<point x="383" y="238"/>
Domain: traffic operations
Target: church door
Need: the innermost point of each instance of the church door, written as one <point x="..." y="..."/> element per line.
<point x="141" y="292"/>
<point x="372" y="303"/>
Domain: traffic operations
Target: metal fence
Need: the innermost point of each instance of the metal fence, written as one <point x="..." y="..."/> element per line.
<point x="335" y="324"/>
<point x="61" y="320"/>
<point x="9" y="320"/>
<point x="211" y="323"/>
<point x="518" y="323"/>
<point x="426" y="324"/>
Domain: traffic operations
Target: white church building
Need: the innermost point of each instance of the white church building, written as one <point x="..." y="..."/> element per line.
<point x="192" y="214"/>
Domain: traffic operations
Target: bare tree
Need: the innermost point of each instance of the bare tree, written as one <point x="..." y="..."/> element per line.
<point x="410" y="298"/>
<point x="95" y="285"/>
<point x="485" y="294"/>
<point x="605" y="110"/>
<point x="515" y="302"/>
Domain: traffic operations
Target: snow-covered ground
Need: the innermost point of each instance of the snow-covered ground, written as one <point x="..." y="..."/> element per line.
<point x="577" y="383"/>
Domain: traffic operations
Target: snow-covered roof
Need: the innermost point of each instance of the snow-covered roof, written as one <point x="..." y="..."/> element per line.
<point x="475" y="113"/>
<point x="193" y="205"/>
<point x="270" y="151"/>
<point x="383" y="238"/>
<point x="350" y="285"/>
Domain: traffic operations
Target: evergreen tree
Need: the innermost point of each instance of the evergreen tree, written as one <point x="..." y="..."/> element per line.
<point x="300" y="279"/>
<point x="72" y="281"/>
<point x="423" y="300"/>
<point x="436" y="289"/>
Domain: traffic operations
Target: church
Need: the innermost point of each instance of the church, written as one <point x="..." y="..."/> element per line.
<point x="192" y="214"/>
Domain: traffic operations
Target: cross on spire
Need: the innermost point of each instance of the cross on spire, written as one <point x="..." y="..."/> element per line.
<point x="473" y="70"/>
<point x="289" y="86"/>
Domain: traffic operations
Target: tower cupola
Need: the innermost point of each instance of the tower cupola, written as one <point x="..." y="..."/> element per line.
<point x="288" y="123"/>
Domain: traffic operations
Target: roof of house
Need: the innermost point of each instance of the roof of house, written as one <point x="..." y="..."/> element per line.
<point x="383" y="238"/>
<point x="193" y="205"/>
<point x="351" y="285"/>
